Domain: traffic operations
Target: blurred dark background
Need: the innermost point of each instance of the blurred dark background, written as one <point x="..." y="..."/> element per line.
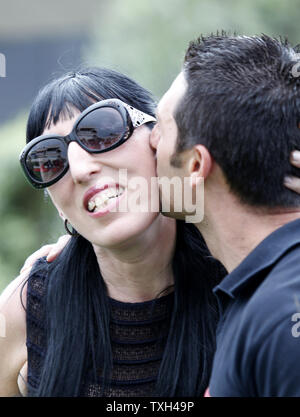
<point x="29" y="65"/>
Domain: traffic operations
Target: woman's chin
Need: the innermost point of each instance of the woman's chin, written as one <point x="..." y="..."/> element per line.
<point x="122" y="231"/>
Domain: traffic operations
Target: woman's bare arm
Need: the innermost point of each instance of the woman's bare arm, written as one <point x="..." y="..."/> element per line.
<point x="13" y="351"/>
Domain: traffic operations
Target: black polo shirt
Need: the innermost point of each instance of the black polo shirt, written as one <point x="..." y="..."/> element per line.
<point x="258" y="343"/>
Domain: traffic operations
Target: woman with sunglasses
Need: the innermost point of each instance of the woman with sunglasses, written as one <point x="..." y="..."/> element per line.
<point x="127" y="309"/>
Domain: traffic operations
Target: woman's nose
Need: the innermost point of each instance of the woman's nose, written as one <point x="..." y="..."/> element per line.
<point x="82" y="164"/>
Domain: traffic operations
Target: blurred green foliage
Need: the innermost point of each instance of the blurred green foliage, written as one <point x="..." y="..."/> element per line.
<point x="28" y="219"/>
<point x="146" y="40"/>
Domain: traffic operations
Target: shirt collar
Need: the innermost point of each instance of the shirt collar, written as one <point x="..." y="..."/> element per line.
<point x="262" y="257"/>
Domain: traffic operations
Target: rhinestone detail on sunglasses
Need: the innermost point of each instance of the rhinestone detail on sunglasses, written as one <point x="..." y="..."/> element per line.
<point x="137" y="117"/>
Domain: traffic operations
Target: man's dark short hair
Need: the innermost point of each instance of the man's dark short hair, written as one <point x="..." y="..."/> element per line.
<point x="243" y="103"/>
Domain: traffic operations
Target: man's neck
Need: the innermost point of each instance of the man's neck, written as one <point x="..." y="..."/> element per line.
<point x="141" y="269"/>
<point x="232" y="230"/>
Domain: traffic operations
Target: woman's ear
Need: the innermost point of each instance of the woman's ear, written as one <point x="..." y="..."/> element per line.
<point x="200" y="164"/>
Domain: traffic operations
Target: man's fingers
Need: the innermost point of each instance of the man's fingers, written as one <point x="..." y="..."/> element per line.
<point x="295" y="158"/>
<point x="44" y="251"/>
<point x="58" y="247"/>
<point x="293" y="183"/>
<point x="50" y="251"/>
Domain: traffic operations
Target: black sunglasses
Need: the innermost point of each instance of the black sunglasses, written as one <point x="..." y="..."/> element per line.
<point x="99" y="128"/>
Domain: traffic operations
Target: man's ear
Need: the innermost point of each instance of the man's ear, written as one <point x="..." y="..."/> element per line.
<point x="154" y="138"/>
<point x="200" y="164"/>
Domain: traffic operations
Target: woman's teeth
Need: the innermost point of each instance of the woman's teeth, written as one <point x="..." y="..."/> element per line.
<point x="101" y="201"/>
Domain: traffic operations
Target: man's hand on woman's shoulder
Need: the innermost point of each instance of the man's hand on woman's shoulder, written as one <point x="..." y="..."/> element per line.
<point x="51" y="251"/>
<point x="293" y="183"/>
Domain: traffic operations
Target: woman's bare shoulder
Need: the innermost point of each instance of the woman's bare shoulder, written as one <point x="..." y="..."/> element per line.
<point x="14" y="290"/>
<point x="13" y="351"/>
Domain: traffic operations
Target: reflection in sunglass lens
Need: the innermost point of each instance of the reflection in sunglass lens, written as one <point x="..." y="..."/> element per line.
<point x="101" y="128"/>
<point x="46" y="160"/>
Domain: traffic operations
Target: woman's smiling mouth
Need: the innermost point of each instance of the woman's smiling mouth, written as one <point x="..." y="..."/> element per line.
<point x="100" y="200"/>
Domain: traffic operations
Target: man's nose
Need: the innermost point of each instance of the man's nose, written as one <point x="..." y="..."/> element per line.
<point x="83" y="165"/>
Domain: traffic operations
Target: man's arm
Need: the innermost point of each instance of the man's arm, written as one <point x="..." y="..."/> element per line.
<point x="277" y="365"/>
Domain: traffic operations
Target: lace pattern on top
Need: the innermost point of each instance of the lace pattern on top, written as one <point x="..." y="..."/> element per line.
<point x="138" y="334"/>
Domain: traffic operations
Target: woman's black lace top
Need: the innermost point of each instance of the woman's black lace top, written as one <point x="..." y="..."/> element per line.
<point x="138" y="334"/>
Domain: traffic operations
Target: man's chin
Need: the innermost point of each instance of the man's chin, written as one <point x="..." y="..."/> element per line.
<point x="173" y="215"/>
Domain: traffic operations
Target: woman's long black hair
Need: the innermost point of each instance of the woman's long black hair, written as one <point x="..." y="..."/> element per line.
<point x="77" y="304"/>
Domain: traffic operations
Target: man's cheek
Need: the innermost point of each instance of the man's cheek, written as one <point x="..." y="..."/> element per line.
<point x="164" y="154"/>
